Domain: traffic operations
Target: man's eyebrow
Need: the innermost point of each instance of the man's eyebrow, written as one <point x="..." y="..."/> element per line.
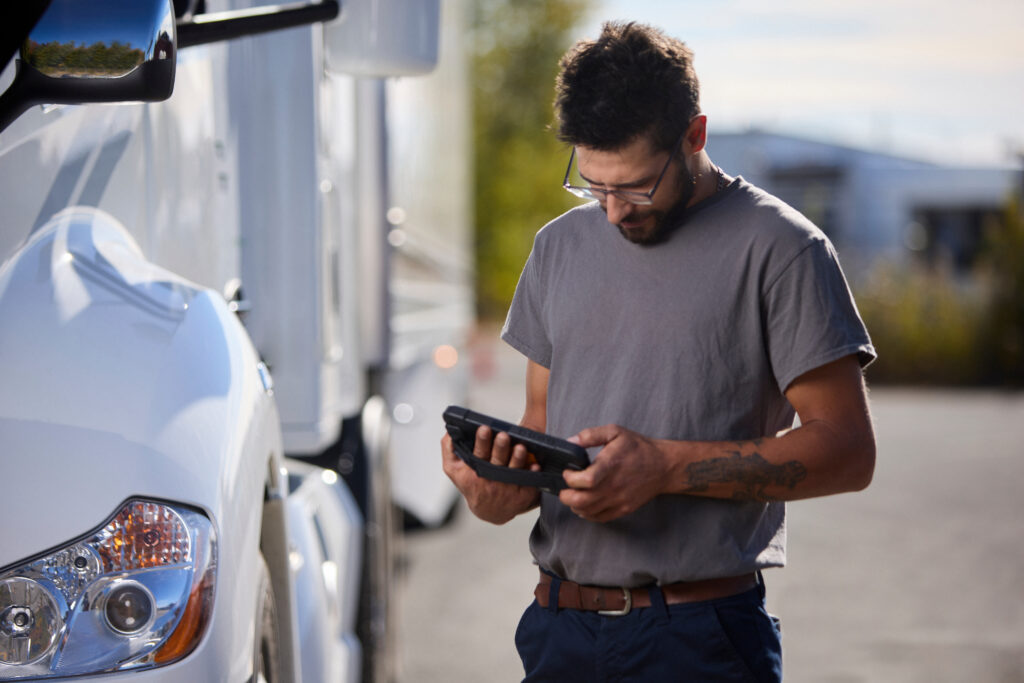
<point x="636" y="183"/>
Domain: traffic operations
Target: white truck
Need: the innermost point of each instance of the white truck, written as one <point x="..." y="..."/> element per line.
<point x="232" y="309"/>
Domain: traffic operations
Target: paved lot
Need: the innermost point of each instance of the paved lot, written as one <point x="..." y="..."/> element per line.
<point x="918" y="579"/>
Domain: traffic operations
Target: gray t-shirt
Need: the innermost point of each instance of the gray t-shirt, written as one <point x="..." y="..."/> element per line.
<point x="695" y="338"/>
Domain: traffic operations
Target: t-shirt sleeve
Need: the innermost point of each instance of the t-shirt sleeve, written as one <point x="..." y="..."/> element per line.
<point x="524" y="328"/>
<point x="810" y="315"/>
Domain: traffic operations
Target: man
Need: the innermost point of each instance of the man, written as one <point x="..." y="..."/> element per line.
<point x="671" y="327"/>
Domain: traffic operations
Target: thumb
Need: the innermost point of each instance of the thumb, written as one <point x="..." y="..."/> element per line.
<point x="595" y="436"/>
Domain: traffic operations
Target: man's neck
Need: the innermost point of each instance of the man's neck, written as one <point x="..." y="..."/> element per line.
<point x="705" y="176"/>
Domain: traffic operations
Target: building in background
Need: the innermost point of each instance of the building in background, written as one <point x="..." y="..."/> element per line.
<point x="874" y="206"/>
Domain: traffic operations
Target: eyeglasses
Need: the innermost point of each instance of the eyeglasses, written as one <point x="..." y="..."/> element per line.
<point x="631" y="196"/>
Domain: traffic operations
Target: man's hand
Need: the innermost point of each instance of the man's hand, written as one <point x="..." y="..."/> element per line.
<point x="629" y="471"/>
<point x="491" y="501"/>
<point x="832" y="451"/>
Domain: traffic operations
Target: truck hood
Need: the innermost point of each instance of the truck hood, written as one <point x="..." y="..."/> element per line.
<point x="119" y="379"/>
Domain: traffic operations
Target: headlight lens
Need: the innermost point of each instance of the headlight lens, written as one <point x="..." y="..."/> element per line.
<point x="29" y="622"/>
<point x="137" y="593"/>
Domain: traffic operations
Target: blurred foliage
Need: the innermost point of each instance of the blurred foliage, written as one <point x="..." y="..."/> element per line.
<point x="519" y="164"/>
<point x="930" y="327"/>
<point x="99" y="58"/>
<point x="926" y="329"/>
<point x="1004" y="257"/>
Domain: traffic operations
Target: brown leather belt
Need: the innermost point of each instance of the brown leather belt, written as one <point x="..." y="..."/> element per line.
<point x="619" y="601"/>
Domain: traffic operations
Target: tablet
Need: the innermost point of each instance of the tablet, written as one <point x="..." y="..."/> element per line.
<point x="554" y="455"/>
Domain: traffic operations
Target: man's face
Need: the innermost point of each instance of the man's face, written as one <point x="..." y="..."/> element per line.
<point x="636" y="167"/>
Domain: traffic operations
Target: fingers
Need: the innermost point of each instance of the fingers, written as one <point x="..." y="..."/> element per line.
<point x="592" y="507"/>
<point x="520" y="457"/>
<point x="498" y="449"/>
<point x="596" y="436"/>
<point x="579" y="479"/>
<point x="589" y="478"/>
<point x="446" y="446"/>
<point x="501" y="450"/>
<point x="495" y="448"/>
<point x="490" y="501"/>
<point x="482" y="444"/>
<point x="448" y="457"/>
<point x="580" y="497"/>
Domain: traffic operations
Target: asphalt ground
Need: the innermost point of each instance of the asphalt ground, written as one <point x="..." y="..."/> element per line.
<point x="920" y="578"/>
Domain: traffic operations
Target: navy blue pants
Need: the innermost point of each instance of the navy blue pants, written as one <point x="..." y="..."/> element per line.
<point x="731" y="639"/>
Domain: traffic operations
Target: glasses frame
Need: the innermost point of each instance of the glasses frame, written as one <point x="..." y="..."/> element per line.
<point x="632" y="196"/>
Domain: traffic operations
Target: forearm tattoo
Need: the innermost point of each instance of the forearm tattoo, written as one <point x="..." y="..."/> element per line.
<point x="751" y="474"/>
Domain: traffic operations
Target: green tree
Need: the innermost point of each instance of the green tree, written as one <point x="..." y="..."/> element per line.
<point x="1005" y="258"/>
<point x="516" y="45"/>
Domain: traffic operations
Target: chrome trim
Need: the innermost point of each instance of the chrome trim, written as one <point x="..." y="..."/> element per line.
<point x="265" y="377"/>
<point x="125" y="51"/>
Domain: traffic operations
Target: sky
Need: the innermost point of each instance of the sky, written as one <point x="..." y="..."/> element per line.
<point x="91" y="22"/>
<point x="931" y="80"/>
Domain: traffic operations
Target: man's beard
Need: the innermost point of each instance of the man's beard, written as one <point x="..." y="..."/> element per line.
<point x="664" y="221"/>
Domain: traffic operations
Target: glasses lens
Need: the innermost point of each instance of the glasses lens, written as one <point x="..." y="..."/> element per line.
<point x="638" y="198"/>
<point x="577" y="185"/>
<point x="582" y="192"/>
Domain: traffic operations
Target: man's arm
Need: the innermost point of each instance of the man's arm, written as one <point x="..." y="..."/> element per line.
<point x="832" y="451"/>
<point x="493" y="501"/>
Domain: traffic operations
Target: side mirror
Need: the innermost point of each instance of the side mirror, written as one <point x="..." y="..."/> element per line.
<point x="83" y="52"/>
<point x="381" y="38"/>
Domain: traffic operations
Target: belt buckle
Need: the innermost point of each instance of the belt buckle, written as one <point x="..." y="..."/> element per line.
<point x="626" y="593"/>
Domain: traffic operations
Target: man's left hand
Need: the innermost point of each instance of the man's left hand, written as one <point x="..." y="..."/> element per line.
<point x="629" y="471"/>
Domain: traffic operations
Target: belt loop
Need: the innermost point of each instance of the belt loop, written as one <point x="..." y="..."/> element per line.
<point x="658" y="602"/>
<point x="553" y="594"/>
<point x="760" y="584"/>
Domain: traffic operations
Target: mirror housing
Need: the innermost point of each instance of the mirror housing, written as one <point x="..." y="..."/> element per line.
<point x="78" y="54"/>
<point x="381" y="38"/>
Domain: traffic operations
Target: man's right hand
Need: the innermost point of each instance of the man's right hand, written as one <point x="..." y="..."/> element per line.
<point x="491" y="501"/>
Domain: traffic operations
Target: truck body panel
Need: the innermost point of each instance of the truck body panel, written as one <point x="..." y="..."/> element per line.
<point x="196" y="292"/>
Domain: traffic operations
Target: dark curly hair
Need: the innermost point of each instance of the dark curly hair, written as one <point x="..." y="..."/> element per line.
<point x="632" y="81"/>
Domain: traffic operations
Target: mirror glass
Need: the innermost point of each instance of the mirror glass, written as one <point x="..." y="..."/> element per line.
<point x="100" y="38"/>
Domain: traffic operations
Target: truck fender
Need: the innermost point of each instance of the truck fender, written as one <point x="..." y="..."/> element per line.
<point x="123" y="380"/>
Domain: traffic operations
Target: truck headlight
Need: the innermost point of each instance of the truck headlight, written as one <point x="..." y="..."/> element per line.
<point x="136" y="593"/>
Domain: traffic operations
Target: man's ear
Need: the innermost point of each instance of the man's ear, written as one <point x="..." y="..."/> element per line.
<point x="696" y="135"/>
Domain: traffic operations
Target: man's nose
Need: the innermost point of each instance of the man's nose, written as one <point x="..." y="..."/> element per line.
<point x="617" y="209"/>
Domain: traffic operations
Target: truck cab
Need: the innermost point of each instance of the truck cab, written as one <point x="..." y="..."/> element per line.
<point x="232" y="308"/>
